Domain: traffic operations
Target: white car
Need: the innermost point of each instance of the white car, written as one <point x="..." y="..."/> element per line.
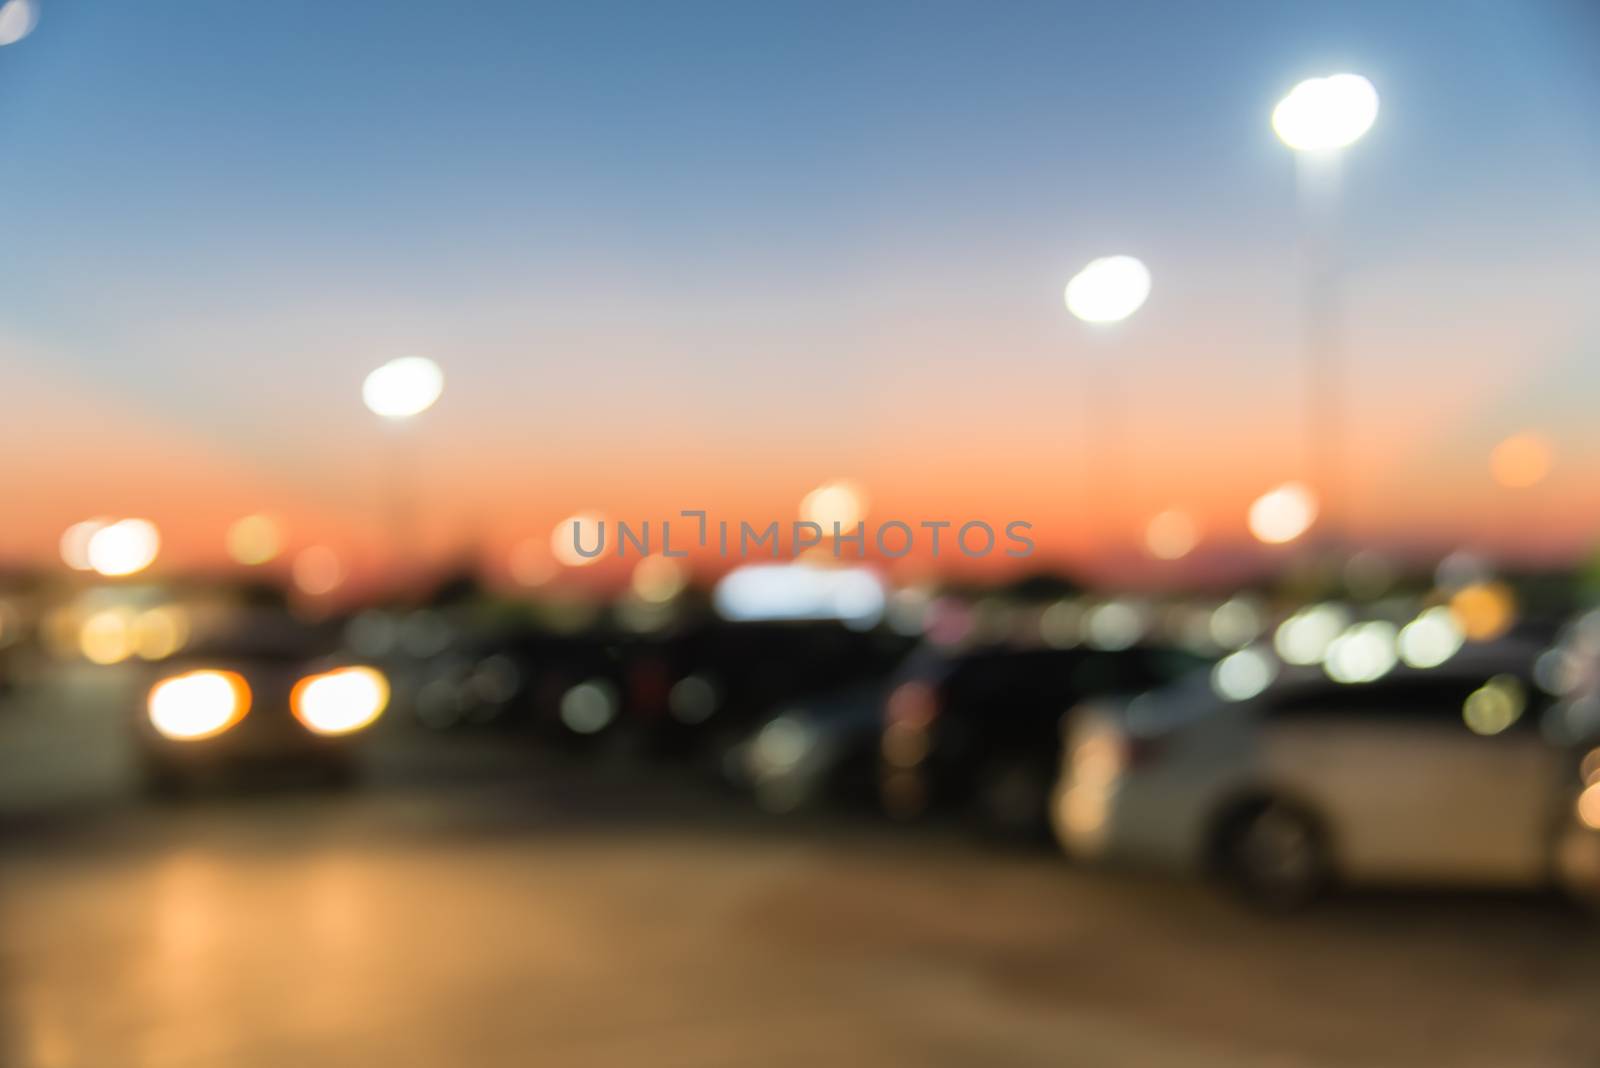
<point x="1446" y="775"/>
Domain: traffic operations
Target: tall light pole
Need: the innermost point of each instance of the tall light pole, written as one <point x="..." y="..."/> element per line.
<point x="1319" y="119"/>
<point x="1106" y="292"/>
<point x="399" y="391"/>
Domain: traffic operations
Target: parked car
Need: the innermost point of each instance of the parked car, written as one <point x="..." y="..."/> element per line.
<point x="979" y="730"/>
<point x="1450" y="774"/>
<point x="566" y="686"/>
<point x="702" y="691"/>
<point x="266" y="694"/>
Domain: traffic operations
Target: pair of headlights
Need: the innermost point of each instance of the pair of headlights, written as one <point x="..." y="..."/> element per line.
<point x="203" y="704"/>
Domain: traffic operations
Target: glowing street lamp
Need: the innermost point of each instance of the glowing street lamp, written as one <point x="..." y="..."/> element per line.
<point x="840" y="502"/>
<point x="1107" y="291"/>
<point x="1325" y="114"/>
<point x="1283" y="514"/>
<point x="1317" y="119"/>
<point x="125" y="547"/>
<point x="403" y="388"/>
<point x="75" y="543"/>
<point x="399" y="391"/>
<point x="17" y="20"/>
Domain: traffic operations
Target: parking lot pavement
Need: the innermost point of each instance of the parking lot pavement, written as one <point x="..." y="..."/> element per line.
<point x="485" y="906"/>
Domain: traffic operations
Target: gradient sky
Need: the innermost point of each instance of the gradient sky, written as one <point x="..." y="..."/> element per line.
<point x="699" y="255"/>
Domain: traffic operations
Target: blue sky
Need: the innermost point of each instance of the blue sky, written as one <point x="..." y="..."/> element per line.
<point x="725" y="211"/>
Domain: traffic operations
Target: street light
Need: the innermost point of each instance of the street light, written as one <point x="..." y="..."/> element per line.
<point x="1324" y="114"/>
<point x="1105" y="292"/>
<point x="1281" y="515"/>
<point x="17" y="20"/>
<point x="125" y="547"/>
<point x="1108" y="290"/>
<point x="399" y="391"/>
<point x="840" y="502"/>
<point x="403" y="388"/>
<point x="1317" y="119"/>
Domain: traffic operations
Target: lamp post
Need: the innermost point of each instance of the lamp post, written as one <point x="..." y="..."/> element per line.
<point x="1319" y="119"/>
<point x="1106" y="292"/>
<point x="399" y="391"/>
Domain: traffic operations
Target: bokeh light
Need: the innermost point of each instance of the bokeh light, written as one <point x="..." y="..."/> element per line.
<point x="1171" y="535"/>
<point x="1108" y="290"/>
<point x="125" y="547"/>
<point x="1431" y="639"/>
<point x="106" y="637"/>
<point x="658" y="579"/>
<point x="1365" y="652"/>
<point x="1589" y="767"/>
<point x="1484" y="610"/>
<point x="403" y="388"/>
<point x="340" y="701"/>
<point x="1589" y="806"/>
<point x="586" y="529"/>
<point x="754" y="592"/>
<point x="1114" y="625"/>
<point x="75" y="543"/>
<point x="1522" y="460"/>
<point x="1321" y="114"/>
<point x="1243" y="675"/>
<point x="160" y="632"/>
<point x="318" y="570"/>
<point x="1061" y="624"/>
<point x="1462" y="568"/>
<point x="1494" y="706"/>
<point x="589" y="707"/>
<point x="1235" y="623"/>
<point x="198" y="704"/>
<point x="17" y="20"/>
<point x="1283" y="514"/>
<point x="692" y="699"/>
<point x="1305" y="636"/>
<point x="254" y="540"/>
<point x="840" y="501"/>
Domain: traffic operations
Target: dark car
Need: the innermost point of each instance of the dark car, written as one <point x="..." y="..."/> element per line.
<point x="704" y="690"/>
<point x="567" y="686"/>
<point x="266" y="694"/>
<point x="980" y="730"/>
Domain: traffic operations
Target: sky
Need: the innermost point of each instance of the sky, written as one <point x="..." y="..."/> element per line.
<point x="712" y="255"/>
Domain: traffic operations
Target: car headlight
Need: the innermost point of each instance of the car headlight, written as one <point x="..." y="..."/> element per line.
<point x="198" y="704"/>
<point x="340" y="701"/>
